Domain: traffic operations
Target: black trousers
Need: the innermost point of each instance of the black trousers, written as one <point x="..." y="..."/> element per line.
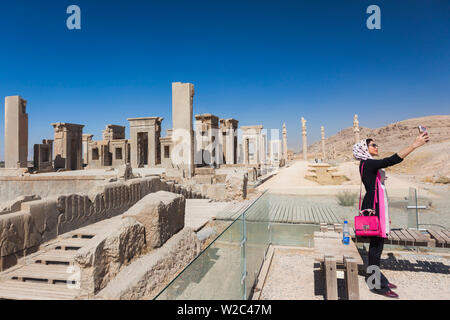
<point x="375" y="251"/>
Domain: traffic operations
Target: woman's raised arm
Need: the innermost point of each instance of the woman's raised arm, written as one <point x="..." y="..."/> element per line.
<point x="420" y="141"/>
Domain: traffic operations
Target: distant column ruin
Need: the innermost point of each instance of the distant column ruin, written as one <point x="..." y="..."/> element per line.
<point x="145" y="147"/>
<point x="68" y="146"/>
<point x="275" y="154"/>
<point x="16" y="132"/>
<point x="285" y="149"/>
<point x="322" y="131"/>
<point x="356" y="127"/>
<point x="228" y="129"/>
<point x="305" y="146"/>
<point x="183" y="134"/>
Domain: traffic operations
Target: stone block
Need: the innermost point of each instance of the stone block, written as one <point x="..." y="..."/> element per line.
<point x="236" y="186"/>
<point x="101" y="259"/>
<point x="161" y="213"/>
<point x="146" y="276"/>
<point x="204" y="171"/>
<point x="15" y="205"/>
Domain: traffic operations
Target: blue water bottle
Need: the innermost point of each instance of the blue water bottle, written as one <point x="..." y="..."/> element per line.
<point x="345" y="234"/>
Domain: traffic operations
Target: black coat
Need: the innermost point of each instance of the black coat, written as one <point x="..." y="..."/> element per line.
<point x="369" y="177"/>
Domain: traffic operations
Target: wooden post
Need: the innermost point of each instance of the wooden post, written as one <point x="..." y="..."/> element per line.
<point x="351" y="278"/>
<point x="330" y="278"/>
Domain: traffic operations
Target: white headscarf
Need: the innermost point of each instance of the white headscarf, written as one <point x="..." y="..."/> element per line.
<point x="361" y="151"/>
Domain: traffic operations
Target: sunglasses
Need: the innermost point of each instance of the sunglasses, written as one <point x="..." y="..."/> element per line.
<point x="373" y="145"/>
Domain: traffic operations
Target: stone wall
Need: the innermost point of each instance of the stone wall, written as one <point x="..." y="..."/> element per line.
<point x="45" y="186"/>
<point x="38" y="221"/>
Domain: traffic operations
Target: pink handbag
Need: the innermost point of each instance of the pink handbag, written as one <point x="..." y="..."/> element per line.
<point x="367" y="226"/>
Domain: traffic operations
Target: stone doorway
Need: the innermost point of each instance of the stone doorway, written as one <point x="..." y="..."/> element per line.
<point x="142" y="144"/>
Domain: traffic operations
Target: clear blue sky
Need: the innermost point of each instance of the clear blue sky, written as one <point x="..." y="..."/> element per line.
<point x="261" y="62"/>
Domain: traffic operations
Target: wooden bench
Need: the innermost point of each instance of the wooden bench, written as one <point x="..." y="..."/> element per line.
<point x="331" y="253"/>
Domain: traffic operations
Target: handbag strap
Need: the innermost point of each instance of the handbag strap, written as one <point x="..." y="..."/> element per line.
<point x="360" y="188"/>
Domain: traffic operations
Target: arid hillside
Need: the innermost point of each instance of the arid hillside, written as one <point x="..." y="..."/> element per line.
<point x="433" y="159"/>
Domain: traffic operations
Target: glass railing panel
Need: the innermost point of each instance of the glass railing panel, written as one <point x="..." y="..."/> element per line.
<point x="257" y="240"/>
<point x="433" y="207"/>
<point x="215" y="274"/>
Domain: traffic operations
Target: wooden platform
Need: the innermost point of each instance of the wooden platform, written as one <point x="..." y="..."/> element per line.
<point x="289" y="211"/>
<point x="413" y="237"/>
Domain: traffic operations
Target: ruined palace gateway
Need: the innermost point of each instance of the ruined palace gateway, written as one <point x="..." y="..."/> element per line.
<point x="228" y="128"/>
<point x="68" y="146"/>
<point x="182" y="153"/>
<point x="145" y="147"/>
<point x="356" y="127"/>
<point x="207" y="140"/>
<point x="253" y="135"/>
<point x="43" y="156"/>
<point x="16" y="132"/>
<point x="305" y="146"/>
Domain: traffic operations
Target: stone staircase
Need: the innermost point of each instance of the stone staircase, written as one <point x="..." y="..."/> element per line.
<point x="49" y="274"/>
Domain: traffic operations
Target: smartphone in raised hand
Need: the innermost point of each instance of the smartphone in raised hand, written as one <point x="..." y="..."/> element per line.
<point x="422" y="129"/>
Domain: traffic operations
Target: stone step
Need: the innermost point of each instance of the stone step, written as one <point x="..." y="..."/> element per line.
<point x="71" y="243"/>
<point x="56" y="257"/>
<point x="19" y="290"/>
<point x="44" y="273"/>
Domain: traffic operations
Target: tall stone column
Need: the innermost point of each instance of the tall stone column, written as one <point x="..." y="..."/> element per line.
<point x="322" y="130"/>
<point x="183" y="133"/>
<point x="285" y="151"/>
<point x="356" y="127"/>
<point x="16" y="132"/>
<point x="305" y="146"/>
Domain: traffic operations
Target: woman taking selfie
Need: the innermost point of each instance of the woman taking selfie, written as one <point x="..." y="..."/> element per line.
<point x="373" y="178"/>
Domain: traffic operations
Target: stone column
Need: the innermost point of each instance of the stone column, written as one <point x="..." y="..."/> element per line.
<point x="263" y="148"/>
<point x="86" y="139"/>
<point x="305" y="146"/>
<point x="356" y="127"/>
<point x="16" y="132"/>
<point x="285" y="153"/>
<point x="183" y="134"/>
<point x="246" y="151"/>
<point x="229" y="142"/>
<point x="322" y="130"/>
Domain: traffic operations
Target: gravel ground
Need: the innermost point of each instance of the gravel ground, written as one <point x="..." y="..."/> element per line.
<point x="294" y="275"/>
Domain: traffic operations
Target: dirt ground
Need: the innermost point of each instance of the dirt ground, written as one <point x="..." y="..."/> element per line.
<point x="294" y="275"/>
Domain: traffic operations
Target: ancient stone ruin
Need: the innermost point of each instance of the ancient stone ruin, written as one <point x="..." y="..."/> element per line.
<point x="115" y="208"/>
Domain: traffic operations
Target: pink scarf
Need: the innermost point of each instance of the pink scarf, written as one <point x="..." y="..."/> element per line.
<point x="379" y="197"/>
